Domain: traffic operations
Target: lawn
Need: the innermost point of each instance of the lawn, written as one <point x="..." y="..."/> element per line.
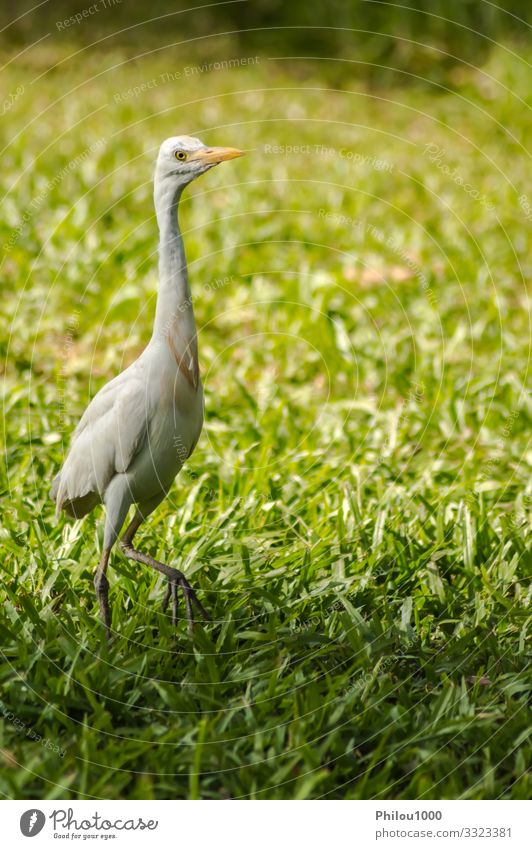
<point x="356" y="515"/>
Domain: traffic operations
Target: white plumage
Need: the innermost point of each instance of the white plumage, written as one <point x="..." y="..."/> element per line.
<point x="139" y="429"/>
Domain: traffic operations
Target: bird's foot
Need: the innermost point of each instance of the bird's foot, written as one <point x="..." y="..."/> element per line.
<point x="176" y="581"/>
<point x="101" y="585"/>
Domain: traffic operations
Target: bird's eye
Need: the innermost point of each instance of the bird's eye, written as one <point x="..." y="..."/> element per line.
<point x="181" y="155"/>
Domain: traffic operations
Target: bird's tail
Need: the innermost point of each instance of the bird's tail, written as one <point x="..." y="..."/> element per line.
<point x="76" y="507"/>
<point x="54" y="489"/>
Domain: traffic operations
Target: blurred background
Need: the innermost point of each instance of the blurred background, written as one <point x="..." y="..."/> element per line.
<point x="417" y="37"/>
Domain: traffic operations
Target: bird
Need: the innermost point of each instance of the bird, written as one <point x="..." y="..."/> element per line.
<point x="140" y="428"/>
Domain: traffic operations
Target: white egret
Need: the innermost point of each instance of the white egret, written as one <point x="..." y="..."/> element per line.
<point x="139" y="429"/>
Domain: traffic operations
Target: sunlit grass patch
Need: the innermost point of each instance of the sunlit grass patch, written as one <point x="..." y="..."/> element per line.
<point x="357" y="512"/>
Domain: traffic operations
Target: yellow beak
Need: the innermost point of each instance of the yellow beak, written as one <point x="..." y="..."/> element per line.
<point x="213" y="155"/>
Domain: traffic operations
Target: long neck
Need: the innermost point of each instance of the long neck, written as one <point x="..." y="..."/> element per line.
<point x="174" y="323"/>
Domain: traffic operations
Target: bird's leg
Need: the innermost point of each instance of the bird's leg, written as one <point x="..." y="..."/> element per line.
<point x="101" y="585"/>
<point x="176" y="579"/>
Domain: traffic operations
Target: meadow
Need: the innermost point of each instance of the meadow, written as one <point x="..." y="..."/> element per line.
<point x="356" y="515"/>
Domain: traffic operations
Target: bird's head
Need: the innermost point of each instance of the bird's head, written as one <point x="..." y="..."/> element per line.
<point x="183" y="158"/>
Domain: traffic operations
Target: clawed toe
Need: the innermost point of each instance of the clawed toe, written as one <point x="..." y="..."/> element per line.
<point x="176" y="581"/>
<point x="172" y="593"/>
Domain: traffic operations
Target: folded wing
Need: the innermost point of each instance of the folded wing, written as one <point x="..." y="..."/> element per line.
<point x="107" y="439"/>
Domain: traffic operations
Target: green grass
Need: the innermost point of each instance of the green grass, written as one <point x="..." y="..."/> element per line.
<point x="357" y="513"/>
